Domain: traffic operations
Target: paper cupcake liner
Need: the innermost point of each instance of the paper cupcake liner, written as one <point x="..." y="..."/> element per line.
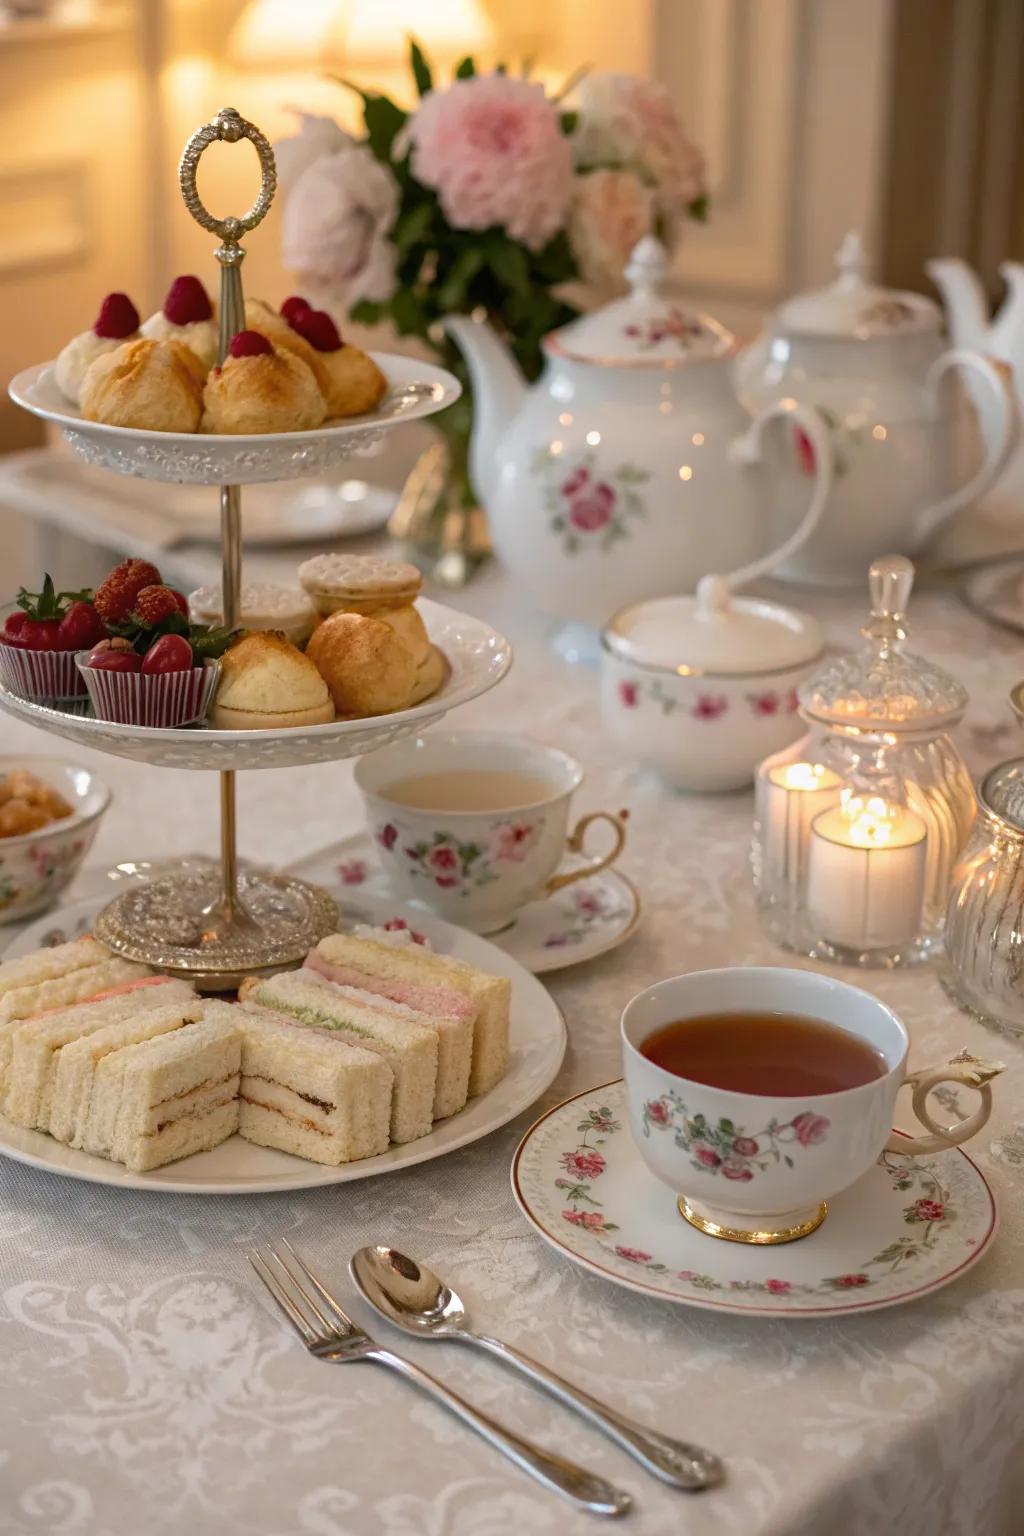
<point x="41" y="675"/>
<point x="165" y="699"/>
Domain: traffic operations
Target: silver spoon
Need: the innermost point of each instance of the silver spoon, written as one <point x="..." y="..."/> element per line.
<point x="417" y="1301"/>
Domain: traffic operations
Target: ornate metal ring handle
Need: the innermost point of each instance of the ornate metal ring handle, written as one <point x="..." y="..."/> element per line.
<point x="575" y="845"/>
<point x="228" y="127"/>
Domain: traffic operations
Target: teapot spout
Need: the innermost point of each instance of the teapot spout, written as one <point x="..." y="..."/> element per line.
<point x="964" y="298"/>
<point x="498" y="391"/>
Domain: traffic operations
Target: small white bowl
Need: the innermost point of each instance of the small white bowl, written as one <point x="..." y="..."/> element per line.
<point x="703" y="688"/>
<point x="37" y="866"/>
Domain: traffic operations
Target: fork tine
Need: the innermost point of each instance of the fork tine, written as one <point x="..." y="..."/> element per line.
<point x="282" y="1298"/>
<point x="308" y="1302"/>
<point x="344" y="1321"/>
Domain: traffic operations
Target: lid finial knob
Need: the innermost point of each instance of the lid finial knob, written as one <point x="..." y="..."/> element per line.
<point x="648" y="266"/>
<point x="849" y="258"/>
<point x="890" y="579"/>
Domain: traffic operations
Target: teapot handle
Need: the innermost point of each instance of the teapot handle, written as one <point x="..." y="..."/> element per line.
<point x="998" y="379"/>
<point x="746" y="449"/>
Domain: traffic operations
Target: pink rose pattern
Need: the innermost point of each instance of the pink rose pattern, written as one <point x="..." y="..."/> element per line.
<point x="585" y="1164"/>
<point x="769" y="703"/>
<point x="587" y="507"/>
<point x="453" y="864"/>
<point x="675" y="326"/>
<point x="352" y="871"/>
<point x="727" y="1149"/>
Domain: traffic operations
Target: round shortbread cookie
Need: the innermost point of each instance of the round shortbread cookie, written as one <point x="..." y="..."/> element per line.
<point x="359" y="582"/>
<point x="264" y="605"/>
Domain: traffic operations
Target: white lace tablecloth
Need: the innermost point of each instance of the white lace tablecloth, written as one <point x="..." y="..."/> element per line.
<point x="148" y="1386"/>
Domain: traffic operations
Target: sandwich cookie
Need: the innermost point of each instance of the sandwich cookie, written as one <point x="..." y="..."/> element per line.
<point x="264" y="605"/>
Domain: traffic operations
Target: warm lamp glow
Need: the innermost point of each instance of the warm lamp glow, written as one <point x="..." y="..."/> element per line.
<point x="282" y="34"/>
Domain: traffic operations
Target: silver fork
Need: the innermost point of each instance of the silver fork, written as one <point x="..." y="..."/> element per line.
<point x="331" y="1335"/>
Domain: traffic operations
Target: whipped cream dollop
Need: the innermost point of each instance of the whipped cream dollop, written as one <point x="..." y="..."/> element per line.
<point x="75" y="360"/>
<point x="200" y="336"/>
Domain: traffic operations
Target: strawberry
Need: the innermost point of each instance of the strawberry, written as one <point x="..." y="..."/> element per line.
<point x="154" y="604"/>
<point x="294" y="306"/>
<point x="171" y="653"/>
<point x="249" y="344"/>
<point x="80" y="628"/>
<point x="118" y="317"/>
<point x="187" y="301"/>
<point x="116" y="596"/>
<point x="115" y="661"/>
<point x="41" y="635"/>
<point x="317" y="327"/>
<point x="14" y="624"/>
<point x="43" y="614"/>
<point x="180" y="599"/>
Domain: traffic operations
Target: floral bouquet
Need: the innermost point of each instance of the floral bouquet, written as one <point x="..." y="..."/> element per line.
<point x="489" y="196"/>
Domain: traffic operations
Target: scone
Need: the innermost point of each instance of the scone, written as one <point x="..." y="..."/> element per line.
<point x="260" y="317"/>
<point x="116" y="323"/>
<point x="264" y="605"/>
<point x="430" y="674"/>
<point x="368" y="669"/>
<point x="267" y="684"/>
<point x="260" y="388"/>
<point x="366" y="584"/>
<point x="155" y="386"/>
<point x="187" y="316"/>
<point x="354" y="383"/>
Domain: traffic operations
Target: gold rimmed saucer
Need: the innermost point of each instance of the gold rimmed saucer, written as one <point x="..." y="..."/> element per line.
<point x="763" y="1237"/>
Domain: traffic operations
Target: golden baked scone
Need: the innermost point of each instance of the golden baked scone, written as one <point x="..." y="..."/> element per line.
<point x="266" y="683"/>
<point x="368" y="669"/>
<point x="259" y="389"/>
<point x="430" y="674"/>
<point x="260" y="317"/>
<point x="350" y="379"/>
<point x="156" y="386"/>
<point x="410" y="628"/>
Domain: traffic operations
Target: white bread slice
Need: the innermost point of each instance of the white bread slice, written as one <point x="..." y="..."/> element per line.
<point x="409" y="1048"/>
<point x="306" y="1091"/>
<point x="28" y="1040"/>
<point x="47" y="964"/>
<point x="78" y="986"/>
<point x="447" y="1012"/>
<point x="491" y="994"/>
<point x="179" y="1094"/>
<point x="155" y="1011"/>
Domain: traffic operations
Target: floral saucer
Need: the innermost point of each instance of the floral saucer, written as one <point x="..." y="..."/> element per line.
<point x="906" y="1228"/>
<point x="576" y="924"/>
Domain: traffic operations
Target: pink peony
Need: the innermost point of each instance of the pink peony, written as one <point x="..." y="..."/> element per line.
<point x="778" y="1287"/>
<point x="629" y="122"/>
<point x="634" y="1255"/>
<point x="336" y="229"/>
<point x="592" y="511"/>
<point x="514" y="842"/>
<point x="810" y="1128"/>
<point x="611" y="211"/>
<point x="628" y="695"/>
<point x="493" y="149"/>
<point x="585" y="1164"/>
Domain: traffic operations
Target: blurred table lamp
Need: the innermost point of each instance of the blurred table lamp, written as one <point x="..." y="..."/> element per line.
<point x="281" y="34"/>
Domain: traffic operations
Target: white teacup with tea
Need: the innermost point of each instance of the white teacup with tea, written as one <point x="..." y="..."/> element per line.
<point x="758" y="1093"/>
<point x="474" y="824"/>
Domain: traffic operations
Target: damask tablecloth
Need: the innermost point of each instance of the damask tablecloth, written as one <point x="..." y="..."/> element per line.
<point x="149" y="1386"/>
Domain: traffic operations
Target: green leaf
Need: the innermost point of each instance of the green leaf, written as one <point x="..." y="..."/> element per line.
<point x="366" y="312"/>
<point x="569" y="121"/>
<point x="408" y="314"/>
<point x="412" y="225"/>
<point x="452" y="292"/>
<point x="726" y="1127"/>
<point x="383" y="121"/>
<point x="420" y="68"/>
<point x="699" y="208"/>
<point x="510" y="263"/>
<point x="465" y="69"/>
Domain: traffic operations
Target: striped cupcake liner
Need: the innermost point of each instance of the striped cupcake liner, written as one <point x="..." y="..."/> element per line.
<point x="165" y="699"/>
<point x="43" y="676"/>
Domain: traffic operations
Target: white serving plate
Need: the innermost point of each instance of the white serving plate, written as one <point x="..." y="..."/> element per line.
<point x="275" y="516"/>
<point x="415" y="389"/>
<point x="238" y="1168"/>
<point x="478" y="658"/>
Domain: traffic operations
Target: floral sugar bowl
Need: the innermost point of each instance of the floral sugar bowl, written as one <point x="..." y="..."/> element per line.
<point x="702" y="688"/>
<point x="59" y="805"/>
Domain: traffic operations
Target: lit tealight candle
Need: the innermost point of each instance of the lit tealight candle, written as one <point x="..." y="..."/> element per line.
<point x="788" y="797"/>
<point x="865" y="874"/>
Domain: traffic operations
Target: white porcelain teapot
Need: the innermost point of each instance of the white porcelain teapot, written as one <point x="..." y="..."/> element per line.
<point x="872" y="360"/>
<point x="630" y="469"/>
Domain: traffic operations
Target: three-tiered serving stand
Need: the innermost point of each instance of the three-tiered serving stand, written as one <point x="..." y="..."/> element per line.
<point x="214" y="922"/>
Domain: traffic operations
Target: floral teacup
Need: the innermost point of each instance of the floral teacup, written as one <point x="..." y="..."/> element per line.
<point x="477" y="868"/>
<point x="755" y="1168"/>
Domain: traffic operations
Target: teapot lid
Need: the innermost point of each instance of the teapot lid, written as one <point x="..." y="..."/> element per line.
<point x="649" y="328"/>
<point x="850" y="306"/>
<point x="713" y="633"/>
<point x="882" y="687"/>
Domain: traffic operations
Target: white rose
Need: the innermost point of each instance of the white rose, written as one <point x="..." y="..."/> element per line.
<point x="610" y="212"/>
<point x="337" y="222"/>
<point x="316" y="136"/>
<point x="633" y="124"/>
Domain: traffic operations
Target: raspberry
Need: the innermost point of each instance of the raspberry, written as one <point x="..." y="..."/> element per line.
<point x="249" y="344"/>
<point x="317" y="327"/>
<point x="154" y="604"/>
<point x="117" y="318"/>
<point x="115" y="597"/>
<point x="187" y="301"/>
<point x="294" y="306"/>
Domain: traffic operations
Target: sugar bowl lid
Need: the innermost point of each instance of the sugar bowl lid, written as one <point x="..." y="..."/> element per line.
<point x="850" y="306"/>
<point x="713" y="633"/>
<point x="650" y="328"/>
<point x="882" y="687"/>
<point x="1001" y="793"/>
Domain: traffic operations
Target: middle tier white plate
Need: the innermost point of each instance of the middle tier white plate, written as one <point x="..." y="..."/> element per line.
<point x="537" y="1045"/>
<point x="478" y="658"/>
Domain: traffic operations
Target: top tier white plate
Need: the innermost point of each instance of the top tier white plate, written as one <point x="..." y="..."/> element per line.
<point x="477" y="656"/>
<point x="415" y="389"/>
